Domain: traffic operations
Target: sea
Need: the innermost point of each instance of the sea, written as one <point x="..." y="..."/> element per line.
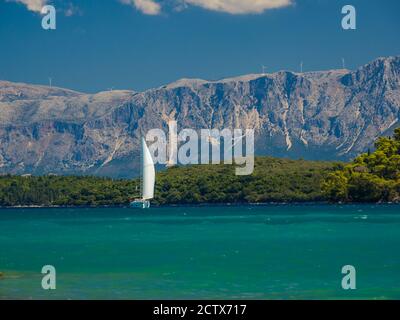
<point x="202" y="252"/>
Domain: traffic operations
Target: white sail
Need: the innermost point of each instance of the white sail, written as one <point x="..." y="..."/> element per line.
<point x="149" y="174"/>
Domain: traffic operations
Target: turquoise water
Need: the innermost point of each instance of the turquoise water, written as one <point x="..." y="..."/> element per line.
<point x="249" y="252"/>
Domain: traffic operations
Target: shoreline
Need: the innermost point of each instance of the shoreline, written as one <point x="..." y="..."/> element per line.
<point x="324" y="203"/>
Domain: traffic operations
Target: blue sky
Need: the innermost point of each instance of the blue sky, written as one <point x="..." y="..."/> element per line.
<point x="140" y="44"/>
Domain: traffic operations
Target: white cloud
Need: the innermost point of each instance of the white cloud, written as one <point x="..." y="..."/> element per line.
<point x="150" y="7"/>
<point x="153" y="7"/>
<point x="32" y="5"/>
<point x="240" y="6"/>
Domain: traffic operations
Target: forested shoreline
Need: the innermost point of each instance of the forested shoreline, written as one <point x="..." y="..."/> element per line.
<point x="372" y="177"/>
<point x="273" y="180"/>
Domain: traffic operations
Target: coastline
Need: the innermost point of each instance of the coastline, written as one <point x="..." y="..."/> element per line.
<point x="200" y="205"/>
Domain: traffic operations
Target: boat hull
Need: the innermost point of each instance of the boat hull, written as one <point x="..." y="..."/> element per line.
<point x="140" y="204"/>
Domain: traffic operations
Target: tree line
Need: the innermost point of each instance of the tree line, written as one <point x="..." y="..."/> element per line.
<point x="273" y="180"/>
<point x="371" y="177"/>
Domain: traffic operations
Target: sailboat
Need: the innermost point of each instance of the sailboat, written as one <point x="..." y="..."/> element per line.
<point x="148" y="179"/>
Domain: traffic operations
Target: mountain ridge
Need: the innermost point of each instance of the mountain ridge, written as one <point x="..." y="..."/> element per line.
<point x="333" y="114"/>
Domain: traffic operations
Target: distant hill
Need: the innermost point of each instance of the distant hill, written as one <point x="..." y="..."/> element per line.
<point x="330" y="115"/>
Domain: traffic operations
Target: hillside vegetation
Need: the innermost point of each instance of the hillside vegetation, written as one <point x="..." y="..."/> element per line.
<point x="273" y="180"/>
<point x="371" y="177"/>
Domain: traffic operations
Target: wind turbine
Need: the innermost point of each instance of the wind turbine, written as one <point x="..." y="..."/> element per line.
<point x="301" y="67"/>
<point x="50" y="81"/>
<point x="343" y="63"/>
<point x="110" y="89"/>
<point x="263" y="69"/>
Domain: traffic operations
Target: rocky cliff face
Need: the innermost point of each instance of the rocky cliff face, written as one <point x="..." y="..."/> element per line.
<point x="319" y="115"/>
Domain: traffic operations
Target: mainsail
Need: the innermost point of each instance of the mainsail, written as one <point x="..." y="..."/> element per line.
<point x="149" y="174"/>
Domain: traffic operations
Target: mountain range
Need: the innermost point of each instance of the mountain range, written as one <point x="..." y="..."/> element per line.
<point x="324" y="115"/>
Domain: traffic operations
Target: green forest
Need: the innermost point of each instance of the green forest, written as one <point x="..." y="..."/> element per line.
<point x="371" y="177"/>
<point x="273" y="180"/>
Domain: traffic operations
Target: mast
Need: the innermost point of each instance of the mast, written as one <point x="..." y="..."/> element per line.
<point x="141" y="173"/>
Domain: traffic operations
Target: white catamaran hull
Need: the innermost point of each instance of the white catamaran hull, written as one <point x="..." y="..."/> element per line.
<point x="141" y="204"/>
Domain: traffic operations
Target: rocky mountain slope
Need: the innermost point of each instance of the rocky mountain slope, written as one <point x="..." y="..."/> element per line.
<point x="318" y="115"/>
